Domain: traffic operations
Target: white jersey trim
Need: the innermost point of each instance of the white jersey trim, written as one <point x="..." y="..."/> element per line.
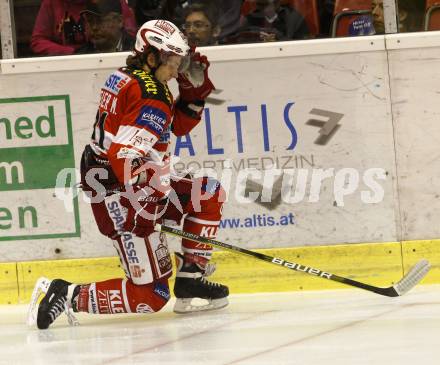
<point x="129" y="135"/>
<point x="203" y="221"/>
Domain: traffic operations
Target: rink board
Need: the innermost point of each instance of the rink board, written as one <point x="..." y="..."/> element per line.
<point x="265" y="124"/>
<point x="376" y="264"/>
<point x="9" y="288"/>
<point x="269" y="122"/>
<point x="382" y="90"/>
<point x="48" y="106"/>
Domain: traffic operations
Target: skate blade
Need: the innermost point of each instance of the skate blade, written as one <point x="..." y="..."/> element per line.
<point x="41" y="287"/>
<point x="71" y="319"/>
<point x="68" y="310"/>
<point x="185" y="305"/>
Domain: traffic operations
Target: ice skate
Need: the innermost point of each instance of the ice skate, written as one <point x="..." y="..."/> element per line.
<point x="191" y="283"/>
<point x="57" y="299"/>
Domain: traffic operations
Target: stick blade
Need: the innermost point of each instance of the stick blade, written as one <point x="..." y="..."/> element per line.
<point x="414" y="276"/>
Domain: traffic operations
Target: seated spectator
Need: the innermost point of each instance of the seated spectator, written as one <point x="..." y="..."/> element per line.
<point x="105" y="28"/>
<point x="146" y="10"/>
<point x="325" y="12"/>
<point x="229" y="19"/>
<point x="271" y="21"/>
<point x="59" y="29"/>
<point x="411" y="14"/>
<point x="200" y="25"/>
<point x="228" y="14"/>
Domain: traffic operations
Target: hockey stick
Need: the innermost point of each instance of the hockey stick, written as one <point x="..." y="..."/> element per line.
<point x="412" y="278"/>
<point x="215" y="101"/>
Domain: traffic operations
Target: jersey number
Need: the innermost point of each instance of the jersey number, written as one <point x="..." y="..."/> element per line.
<point x="99" y="124"/>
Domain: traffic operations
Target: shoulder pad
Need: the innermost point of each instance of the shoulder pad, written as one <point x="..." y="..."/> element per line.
<point x="151" y="88"/>
<point x="116" y="81"/>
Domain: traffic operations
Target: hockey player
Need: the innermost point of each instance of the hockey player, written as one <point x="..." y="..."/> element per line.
<point x="126" y="171"/>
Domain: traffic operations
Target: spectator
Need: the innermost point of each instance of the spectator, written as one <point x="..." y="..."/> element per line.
<point x="271" y="21"/>
<point x="378" y="16"/>
<point x="105" y="28"/>
<point x="410" y="15"/>
<point x="200" y="25"/>
<point x="229" y="19"/>
<point x="59" y="29"/>
<point x="229" y="15"/>
<point x="325" y="11"/>
<point x="146" y="10"/>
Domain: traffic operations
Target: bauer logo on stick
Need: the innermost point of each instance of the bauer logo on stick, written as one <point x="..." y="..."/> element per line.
<point x="298" y="267"/>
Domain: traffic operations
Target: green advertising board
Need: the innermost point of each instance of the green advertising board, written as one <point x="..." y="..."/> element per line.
<point x="36" y="143"/>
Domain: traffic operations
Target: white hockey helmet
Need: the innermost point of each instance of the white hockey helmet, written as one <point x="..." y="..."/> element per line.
<point x="162" y="35"/>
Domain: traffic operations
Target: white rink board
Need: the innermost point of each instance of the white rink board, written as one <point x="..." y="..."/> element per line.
<point x="417" y="132"/>
<point x="37" y="212"/>
<point x="353" y="83"/>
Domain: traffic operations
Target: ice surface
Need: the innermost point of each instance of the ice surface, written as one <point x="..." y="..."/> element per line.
<point x="325" y="327"/>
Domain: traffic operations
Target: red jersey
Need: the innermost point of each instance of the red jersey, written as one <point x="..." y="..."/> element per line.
<point x="135" y="117"/>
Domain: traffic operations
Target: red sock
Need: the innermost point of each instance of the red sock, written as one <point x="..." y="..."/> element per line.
<point x="122" y="296"/>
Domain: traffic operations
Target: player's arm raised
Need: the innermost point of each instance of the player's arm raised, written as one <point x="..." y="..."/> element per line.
<point x="194" y="88"/>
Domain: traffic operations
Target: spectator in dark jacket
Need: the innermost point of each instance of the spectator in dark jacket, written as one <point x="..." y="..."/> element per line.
<point x="146" y="10"/>
<point x="105" y="28"/>
<point x="228" y="17"/>
<point x="201" y="25"/>
<point x="271" y="21"/>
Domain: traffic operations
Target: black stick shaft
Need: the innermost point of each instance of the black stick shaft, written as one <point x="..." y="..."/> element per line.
<point x="390" y="292"/>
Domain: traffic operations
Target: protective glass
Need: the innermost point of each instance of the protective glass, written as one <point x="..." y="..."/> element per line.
<point x="101" y="20"/>
<point x="181" y="63"/>
<point x="197" y="25"/>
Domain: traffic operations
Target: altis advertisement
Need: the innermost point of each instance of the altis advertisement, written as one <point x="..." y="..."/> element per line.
<point x="304" y="150"/>
<point x="303" y="147"/>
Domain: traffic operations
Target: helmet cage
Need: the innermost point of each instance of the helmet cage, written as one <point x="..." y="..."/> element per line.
<point x="184" y="63"/>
